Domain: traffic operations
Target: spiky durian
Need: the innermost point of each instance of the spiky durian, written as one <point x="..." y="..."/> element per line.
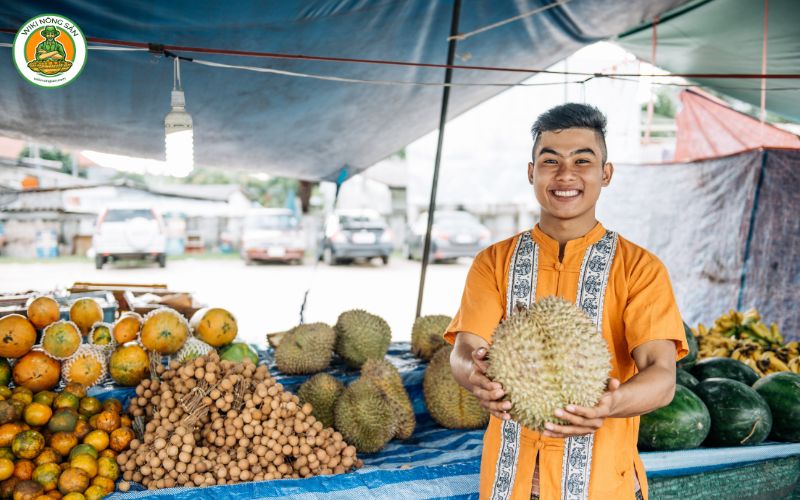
<point x="449" y="404"/>
<point x="321" y="391"/>
<point x="427" y="335"/>
<point x="305" y="349"/>
<point x="384" y="374"/>
<point x="364" y="416"/>
<point x="547" y="357"/>
<point x="361" y="336"/>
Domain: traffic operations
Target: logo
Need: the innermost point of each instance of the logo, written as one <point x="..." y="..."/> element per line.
<point x="49" y="50"/>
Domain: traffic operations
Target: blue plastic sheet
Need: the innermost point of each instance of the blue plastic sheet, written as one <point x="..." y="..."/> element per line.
<point x="435" y="463"/>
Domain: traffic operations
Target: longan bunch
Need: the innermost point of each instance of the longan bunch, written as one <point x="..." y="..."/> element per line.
<point x="212" y="422"/>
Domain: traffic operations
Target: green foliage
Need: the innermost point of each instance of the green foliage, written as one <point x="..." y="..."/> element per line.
<point x="54" y="154"/>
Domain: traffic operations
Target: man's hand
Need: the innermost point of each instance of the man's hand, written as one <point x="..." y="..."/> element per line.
<point x="581" y="420"/>
<point x="490" y="394"/>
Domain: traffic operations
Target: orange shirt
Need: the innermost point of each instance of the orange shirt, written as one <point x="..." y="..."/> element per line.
<point x="639" y="306"/>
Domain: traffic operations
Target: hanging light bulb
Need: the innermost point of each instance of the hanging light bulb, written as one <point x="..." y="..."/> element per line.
<point x="178" y="132"/>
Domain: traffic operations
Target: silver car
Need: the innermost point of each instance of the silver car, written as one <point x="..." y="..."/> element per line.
<point x="455" y="234"/>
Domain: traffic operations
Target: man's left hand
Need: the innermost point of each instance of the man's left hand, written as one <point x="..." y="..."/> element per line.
<point x="581" y="420"/>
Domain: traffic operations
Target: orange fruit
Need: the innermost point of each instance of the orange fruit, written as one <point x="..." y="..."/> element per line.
<point x="128" y="365"/>
<point x="63" y="442"/>
<point x="107" y="467"/>
<point x="214" y="326"/>
<point x="47" y="456"/>
<point x="47" y="476"/>
<point x="121" y="438"/>
<point x="112" y="404"/>
<point x="74" y="496"/>
<point x="73" y="480"/>
<point x="27" y="490"/>
<point x="61" y="339"/>
<point x="76" y="389"/>
<point x="37" y="371"/>
<point x="105" y="483"/>
<point x="86" y="463"/>
<point x="127" y="327"/>
<point x="23" y="469"/>
<point x="8" y="431"/>
<point x="18" y="336"/>
<point x="85" y="313"/>
<point x="37" y="414"/>
<point x="82" y="428"/>
<point x="42" y="311"/>
<point x="108" y="452"/>
<point x="125" y="421"/>
<point x="54" y="494"/>
<point x="6" y="469"/>
<point x="94" y="493"/>
<point x="97" y="439"/>
<point x="27" y="444"/>
<point x="164" y="331"/>
<point x="107" y="421"/>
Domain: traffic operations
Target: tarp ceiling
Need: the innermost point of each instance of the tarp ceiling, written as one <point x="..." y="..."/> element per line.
<point x="725" y="36"/>
<point x="290" y="126"/>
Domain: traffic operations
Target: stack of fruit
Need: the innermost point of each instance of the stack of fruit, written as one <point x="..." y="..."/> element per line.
<point x="84" y="349"/>
<point x="60" y="444"/>
<point x="375" y="408"/>
<point x="744" y="337"/>
<point x="210" y="421"/>
<point x="726" y="401"/>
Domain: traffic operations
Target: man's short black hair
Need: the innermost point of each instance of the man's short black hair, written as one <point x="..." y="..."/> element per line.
<point x="571" y="115"/>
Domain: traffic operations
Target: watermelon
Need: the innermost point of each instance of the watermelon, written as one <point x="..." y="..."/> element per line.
<point x="686" y="379"/>
<point x="681" y="425"/>
<point x="238" y="352"/>
<point x="739" y="415"/>
<point x="724" y="368"/>
<point x="690" y="359"/>
<point x="782" y="393"/>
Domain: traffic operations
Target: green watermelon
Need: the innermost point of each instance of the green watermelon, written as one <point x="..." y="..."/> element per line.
<point x="690" y="359"/>
<point x="237" y="352"/>
<point x="686" y="379"/>
<point x="782" y="393"/>
<point x="725" y="368"/>
<point x="681" y="425"/>
<point x="739" y="415"/>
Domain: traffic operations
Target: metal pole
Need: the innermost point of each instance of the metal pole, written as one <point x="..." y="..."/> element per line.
<point x="448" y="75"/>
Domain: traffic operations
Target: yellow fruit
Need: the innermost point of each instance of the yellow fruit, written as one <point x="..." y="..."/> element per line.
<point x="17" y="336"/>
<point x="6" y="469"/>
<point x="98" y="439"/>
<point x="94" y="493"/>
<point x="61" y="339"/>
<point x="127" y="327"/>
<point x="164" y="331"/>
<point x="214" y="326"/>
<point x="129" y="365"/>
<point x="85" y="313"/>
<point x="37" y="371"/>
<point x="105" y="483"/>
<point x="42" y="311"/>
<point x="85" y="463"/>
<point x="86" y="367"/>
<point x="37" y="414"/>
<point x="107" y="467"/>
<point x="73" y="480"/>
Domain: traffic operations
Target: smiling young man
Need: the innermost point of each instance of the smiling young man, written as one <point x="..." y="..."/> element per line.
<point x="622" y="287"/>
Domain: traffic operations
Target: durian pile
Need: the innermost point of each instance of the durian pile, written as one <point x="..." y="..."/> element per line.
<point x="375" y="408"/>
<point x="210" y="421"/>
<point x="84" y="349"/>
<point x="547" y="357"/>
<point x="744" y="337"/>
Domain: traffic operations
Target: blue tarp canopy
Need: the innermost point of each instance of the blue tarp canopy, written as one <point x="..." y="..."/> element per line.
<point x="291" y="126"/>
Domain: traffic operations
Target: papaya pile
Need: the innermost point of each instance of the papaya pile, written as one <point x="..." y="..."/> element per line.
<point x="59" y="444"/>
<point x="724" y="399"/>
<point x="83" y="349"/>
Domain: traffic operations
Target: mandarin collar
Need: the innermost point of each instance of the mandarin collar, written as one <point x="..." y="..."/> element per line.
<point x="577" y="245"/>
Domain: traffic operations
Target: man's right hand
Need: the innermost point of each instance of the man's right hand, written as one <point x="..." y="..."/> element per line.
<point x="490" y="394"/>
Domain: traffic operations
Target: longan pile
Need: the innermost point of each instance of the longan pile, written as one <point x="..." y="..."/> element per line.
<point x="211" y="422"/>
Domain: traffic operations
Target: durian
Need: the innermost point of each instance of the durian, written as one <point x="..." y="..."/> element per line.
<point x="383" y="374"/>
<point x="427" y="335"/>
<point x="449" y="404"/>
<point x="305" y="349"/>
<point x="321" y="391"/>
<point x="547" y="357"/>
<point x="361" y="336"/>
<point x="364" y="416"/>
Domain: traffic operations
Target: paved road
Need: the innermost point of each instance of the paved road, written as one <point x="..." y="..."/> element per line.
<point x="267" y="298"/>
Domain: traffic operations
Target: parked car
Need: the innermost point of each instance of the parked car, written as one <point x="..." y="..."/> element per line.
<point x="129" y="233"/>
<point x="352" y="234"/>
<point x="273" y="234"/>
<point x="455" y="234"/>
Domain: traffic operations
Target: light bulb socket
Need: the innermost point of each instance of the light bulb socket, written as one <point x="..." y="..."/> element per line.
<point x="178" y="99"/>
